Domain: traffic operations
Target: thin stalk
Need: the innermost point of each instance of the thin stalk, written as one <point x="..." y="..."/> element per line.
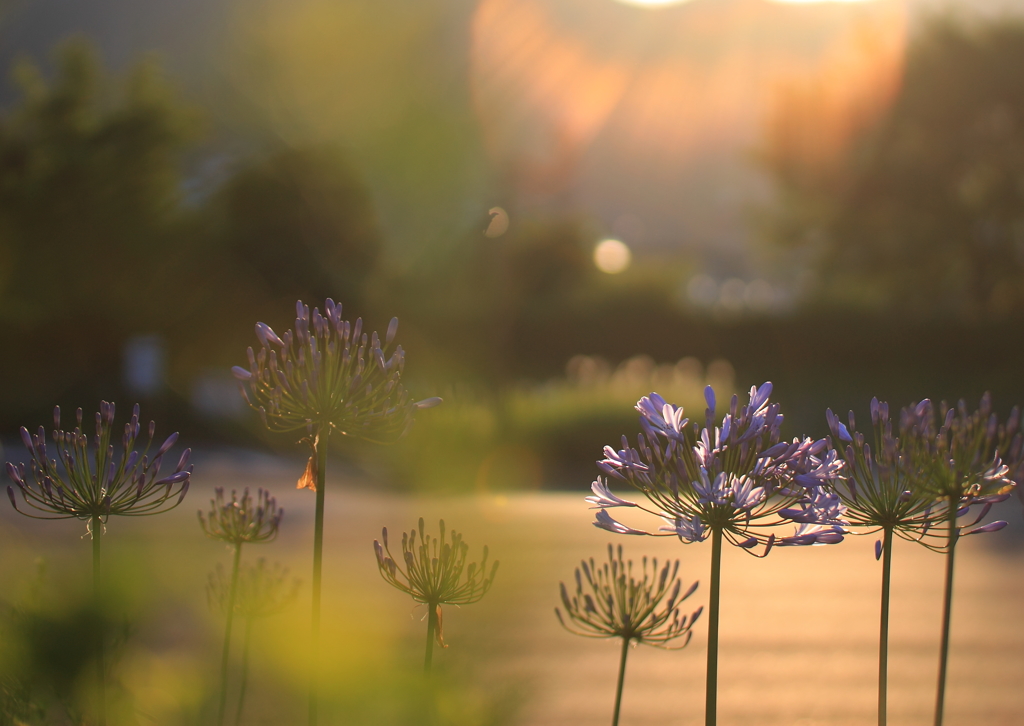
<point x="711" y="692"/>
<point x="622" y="678"/>
<point x="947" y="607"/>
<point x="431" y="629"/>
<point x="883" y="636"/>
<point x="318" y="550"/>
<point x="225" y="655"/>
<point x="97" y="588"/>
<point x="245" y="670"/>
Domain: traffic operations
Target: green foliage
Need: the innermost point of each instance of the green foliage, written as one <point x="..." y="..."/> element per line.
<point x="922" y="213"/>
<point x="302" y="225"/>
<point x="89" y="187"/>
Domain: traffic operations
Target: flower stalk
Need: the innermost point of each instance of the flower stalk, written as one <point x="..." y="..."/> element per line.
<point x="737" y="482"/>
<point x="89" y="482"/>
<point x="883" y="628"/>
<point x="238" y="522"/>
<point x="327" y="375"/>
<point x="964" y="458"/>
<point x="610" y="602"/>
<point x="711" y="690"/>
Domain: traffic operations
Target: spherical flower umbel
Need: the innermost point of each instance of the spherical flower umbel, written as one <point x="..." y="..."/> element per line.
<point x="242" y="520"/>
<point x="92" y="483"/>
<point x="435" y="573"/>
<point x="879" y="486"/>
<point x="740" y="479"/>
<point x="966" y="460"/>
<point x="609" y="602"/>
<point x="969" y="457"/>
<point x="328" y="372"/>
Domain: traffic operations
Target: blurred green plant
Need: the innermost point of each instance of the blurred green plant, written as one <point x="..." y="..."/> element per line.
<point x="259" y="591"/>
<point x="529" y="436"/>
<point x="90" y="180"/>
<point x="49" y="651"/>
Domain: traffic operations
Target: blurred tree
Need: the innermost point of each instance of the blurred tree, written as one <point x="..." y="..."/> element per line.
<point x="89" y="192"/>
<point x="302" y="224"/>
<point x="923" y="213"/>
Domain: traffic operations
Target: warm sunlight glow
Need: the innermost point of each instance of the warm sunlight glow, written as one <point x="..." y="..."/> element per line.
<point x="612" y="256"/>
<point x="652" y="3"/>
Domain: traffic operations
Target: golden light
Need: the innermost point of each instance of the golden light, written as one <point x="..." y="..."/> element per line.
<point x="652" y="3"/>
<point x="612" y="256"/>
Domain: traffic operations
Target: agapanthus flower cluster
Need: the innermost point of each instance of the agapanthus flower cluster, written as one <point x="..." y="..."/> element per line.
<point x="241" y="521"/>
<point x="327" y="371"/>
<point x="884" y="484"/>
<point x="969" y="458"/>
<point x="740" y="478"/>
<point x="434" y="568"/>
<point x="610" y="602"/>
<point x="92" y="482"/>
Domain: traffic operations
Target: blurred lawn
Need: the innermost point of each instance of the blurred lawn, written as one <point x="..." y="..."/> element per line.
<point x="799" y="629"/>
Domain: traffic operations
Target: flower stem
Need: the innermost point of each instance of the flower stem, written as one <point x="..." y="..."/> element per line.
<point x="245" y="670"/>
<point x="318" y="550"/>
<point x="711" y="692"/>
<point x="622" y="678"/>
<point x="883" y="636"/>
<point x="101" y="691"/>
<point x="222" y="706"/>
<point x="431" y="629"/>
<point x="947" y="605"/>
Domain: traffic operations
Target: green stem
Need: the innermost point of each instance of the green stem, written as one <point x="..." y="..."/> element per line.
<point x="225" y="655"/>
<point x="97" y="588"/>
<point x="711" y="692"/>
<point x="431" y="629"/>
<point x="318" y="551"/>
<point x="947" y="606"/>
<point x="245" y="670"/>
<point x="622" y="678"/>
<point x="883" y="636"/>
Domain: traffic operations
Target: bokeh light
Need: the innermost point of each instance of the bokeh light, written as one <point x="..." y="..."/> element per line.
<point x="612" y="256"/>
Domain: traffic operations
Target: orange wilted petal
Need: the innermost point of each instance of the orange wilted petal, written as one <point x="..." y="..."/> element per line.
<point x="308" y="478"/>
<point x="439" y="633"/>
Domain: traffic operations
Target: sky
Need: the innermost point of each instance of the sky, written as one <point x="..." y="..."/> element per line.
<point x="647" y="121"/>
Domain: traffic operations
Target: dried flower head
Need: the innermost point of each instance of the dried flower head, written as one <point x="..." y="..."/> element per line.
<point x="740" y="479"/>
<point x="241" y="521"/>
<point x="435" y="571"/>
<point x="434" y="568"/>
<point x="328" y="372"/>
<point x="263" y="590"/>
<point x="611" y="603"/>
<point x="91" y="482"/>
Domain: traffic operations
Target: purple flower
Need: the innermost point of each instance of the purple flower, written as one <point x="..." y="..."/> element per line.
<point x="605" y="521"/>
<point x="242" y="521"/>
<point x="740" y="478"/>
<point x="88" y="480"/>
<point x="965" y="457"/>
<point x="327" y="372"/>
<point x="603" y="496"/>
<point x="688" y="530"/>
